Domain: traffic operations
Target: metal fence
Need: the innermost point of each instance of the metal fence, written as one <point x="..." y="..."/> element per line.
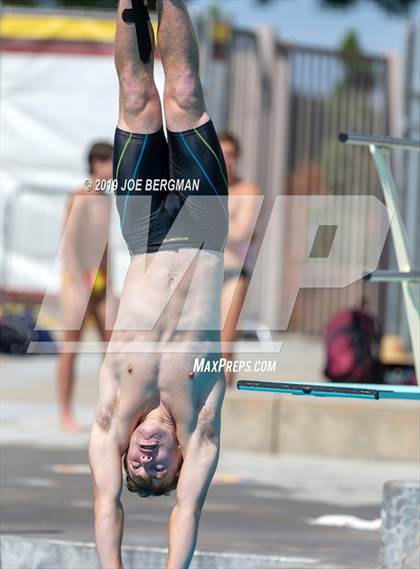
<point x="34" y="218"/>
<point x="288" y="104"/>
<point x="331" y="93"/>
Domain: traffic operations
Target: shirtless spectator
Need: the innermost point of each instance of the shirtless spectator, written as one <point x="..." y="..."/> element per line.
<point x="85" y="271"/>
<point x="238" y="251"/>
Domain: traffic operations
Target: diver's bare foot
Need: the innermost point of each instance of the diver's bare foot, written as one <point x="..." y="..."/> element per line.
<point x="69" y="424"/>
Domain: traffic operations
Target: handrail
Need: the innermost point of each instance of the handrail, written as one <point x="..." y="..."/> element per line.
<point x="387" y="141"/>
<point x="392" y="276"/>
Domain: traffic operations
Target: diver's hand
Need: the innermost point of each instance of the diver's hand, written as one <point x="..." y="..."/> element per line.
<point x="196" y="474"/>
<point x="105" y="461"/>
<point x="183" y="530"/>
<point x="109" y="521"/>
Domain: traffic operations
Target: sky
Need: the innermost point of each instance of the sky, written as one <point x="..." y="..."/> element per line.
<point x="304" y="21"/>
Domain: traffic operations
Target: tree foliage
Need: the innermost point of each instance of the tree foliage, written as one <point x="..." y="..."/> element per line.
<point x="390" y="6"/>
<point x="357" y="68"/>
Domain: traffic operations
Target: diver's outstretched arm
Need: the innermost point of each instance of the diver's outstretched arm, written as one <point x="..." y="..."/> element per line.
<point x="105" y="462"/>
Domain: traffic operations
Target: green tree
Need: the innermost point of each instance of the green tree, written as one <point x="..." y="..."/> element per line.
<point x="352" y="106"/>
<point x="358" y="69"/>
<point x="390" y="6"/>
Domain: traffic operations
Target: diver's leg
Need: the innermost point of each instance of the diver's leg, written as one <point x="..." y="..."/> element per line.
<point x="183" y="98"/>
<point x="140" y="109"/>
<point x="140" y="147"/>
<point x="195" y="156"/>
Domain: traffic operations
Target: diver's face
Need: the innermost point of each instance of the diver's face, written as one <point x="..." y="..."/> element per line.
<point x="154" y="452"/>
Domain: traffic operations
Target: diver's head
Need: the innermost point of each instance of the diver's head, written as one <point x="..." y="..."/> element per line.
<point x="153" y="460"/>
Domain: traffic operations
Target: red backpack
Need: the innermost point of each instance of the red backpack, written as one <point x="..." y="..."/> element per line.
<point x="352" y="345"/>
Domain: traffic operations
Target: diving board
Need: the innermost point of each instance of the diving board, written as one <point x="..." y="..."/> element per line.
<point x="349" y="390"/>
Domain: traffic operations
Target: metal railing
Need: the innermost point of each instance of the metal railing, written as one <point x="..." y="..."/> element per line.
<point x="287" y="103"/>
<point x="34" y="217"/>
<point x="380" y="150"/>
<point x="380" y="141"/>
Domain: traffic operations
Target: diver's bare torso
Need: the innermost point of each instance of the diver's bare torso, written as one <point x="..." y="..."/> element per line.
<point x="169" y="315"/>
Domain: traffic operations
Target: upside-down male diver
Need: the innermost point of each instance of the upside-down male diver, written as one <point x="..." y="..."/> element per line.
<point x="157" y="421"/>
